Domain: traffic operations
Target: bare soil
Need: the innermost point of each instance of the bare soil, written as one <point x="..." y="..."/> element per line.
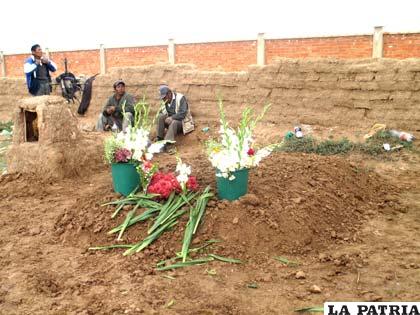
<point x="350" y="222"/>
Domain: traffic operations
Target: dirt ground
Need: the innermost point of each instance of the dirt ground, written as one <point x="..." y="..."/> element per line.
<point x="351" y="222"/>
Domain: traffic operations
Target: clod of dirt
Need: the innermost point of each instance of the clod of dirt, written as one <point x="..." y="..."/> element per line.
<point x="315" y="289"/>
<point x="300" y="275"/>
<point x="250" y="199"/>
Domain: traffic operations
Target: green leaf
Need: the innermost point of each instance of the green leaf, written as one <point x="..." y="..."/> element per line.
<point x="171" y="302"/>
<point x="286" y="261"/>
<point x="252" y="285"/>
<point x="225" y="259"/>
<point x="126" y="222"/>
<point x="185" y="264"/>
<point x="111" y="247"/>
<point x="314" y="309"/>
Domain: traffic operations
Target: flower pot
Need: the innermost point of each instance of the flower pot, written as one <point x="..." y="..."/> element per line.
<point x="125" y="178"/>
<point x="233" y="189"/>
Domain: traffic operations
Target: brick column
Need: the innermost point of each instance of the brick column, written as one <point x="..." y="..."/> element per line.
<point x="260" y="49"/>
<point x="378" y="42"/>
<point x="2" y="65"/>
<point x="171" y="51"/>
<point x="102" y="59"/>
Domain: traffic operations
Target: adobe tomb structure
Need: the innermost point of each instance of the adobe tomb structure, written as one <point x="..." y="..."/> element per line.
<point x="47" y="142"/>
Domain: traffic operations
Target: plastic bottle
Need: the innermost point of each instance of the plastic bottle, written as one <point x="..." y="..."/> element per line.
<point x="403" y="136"/>
<point x="298" y="132"/>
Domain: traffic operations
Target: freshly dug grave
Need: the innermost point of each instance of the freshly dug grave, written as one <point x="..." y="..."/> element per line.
<point x="297" y="204"/>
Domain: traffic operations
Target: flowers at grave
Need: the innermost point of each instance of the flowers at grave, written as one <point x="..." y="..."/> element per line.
<point x="236" y="149"/>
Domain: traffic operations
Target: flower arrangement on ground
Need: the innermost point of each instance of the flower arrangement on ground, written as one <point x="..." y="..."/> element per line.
<point x="132" y="146"/>
<point x="164" y="184"/>
<point x="236" y="149"/>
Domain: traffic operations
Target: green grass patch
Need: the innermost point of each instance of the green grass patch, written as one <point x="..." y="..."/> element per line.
<point x="6" y="125"/>
<point x="3" y="148"/>
<point x="372" y="146"/>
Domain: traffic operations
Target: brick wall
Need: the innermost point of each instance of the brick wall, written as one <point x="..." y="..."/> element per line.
<point x="402" y="46"/>
<point x="14" y="65"/>
<point x="135" y="56"/>
<point x="337" y="47"/>
<point x="79" y="62"/>
<point x="229" y="56"/>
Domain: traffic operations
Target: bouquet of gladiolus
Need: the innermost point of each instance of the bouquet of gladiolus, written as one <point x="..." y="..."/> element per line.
<point x="236" y="149"/>
<point x="132" y="145"/>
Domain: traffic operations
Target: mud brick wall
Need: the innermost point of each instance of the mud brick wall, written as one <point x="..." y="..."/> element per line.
<point x="326" y="92"/>
<point x="11" y="93"/>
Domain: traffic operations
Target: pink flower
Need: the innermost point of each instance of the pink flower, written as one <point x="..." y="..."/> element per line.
<point x="147" y="165"/>
<point x="122" y="155"/>
<point x="251" y="152"/>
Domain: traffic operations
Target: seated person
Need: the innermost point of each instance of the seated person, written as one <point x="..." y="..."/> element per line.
<point x="112" y="117"/>
<point x="175" y="117"/>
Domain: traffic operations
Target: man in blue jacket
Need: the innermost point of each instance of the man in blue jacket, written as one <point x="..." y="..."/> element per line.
<point x="37" y="71"/>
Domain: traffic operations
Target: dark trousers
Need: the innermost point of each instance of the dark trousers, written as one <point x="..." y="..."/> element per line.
<point x="44" y="88"/>
<point x="173" y="129"/>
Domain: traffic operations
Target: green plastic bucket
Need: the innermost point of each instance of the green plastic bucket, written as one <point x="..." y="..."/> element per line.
<point x="124" y="177"/>
<point x="233" y="189"/>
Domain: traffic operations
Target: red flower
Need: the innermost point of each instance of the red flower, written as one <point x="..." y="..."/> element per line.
<point x="164" y="184"/>
<point x="251" y="152"/>
<point x="192" y="183"/>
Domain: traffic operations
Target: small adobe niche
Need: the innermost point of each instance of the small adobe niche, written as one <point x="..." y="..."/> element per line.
<point x="45" y="139"/>
<point x="30" y="125"/>
<point x="44" y="120"/>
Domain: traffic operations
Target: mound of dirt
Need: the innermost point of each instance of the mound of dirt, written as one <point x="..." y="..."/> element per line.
<point x="296" y="204"/>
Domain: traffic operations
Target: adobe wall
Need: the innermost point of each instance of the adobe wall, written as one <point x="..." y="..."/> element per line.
<point x="326" y="92"/>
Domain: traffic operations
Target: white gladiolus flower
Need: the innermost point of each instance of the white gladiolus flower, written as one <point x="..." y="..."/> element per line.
<point x="148" y="156"/>
<point x="155" y="148"/>
<point x="137" y="141"/>
<point x="182" y="179"/>
<point x="183" y="169"/>
<point x="233" y="153"/>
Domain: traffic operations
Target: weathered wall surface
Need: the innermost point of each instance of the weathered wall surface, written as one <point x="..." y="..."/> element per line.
<point x="327" y="92"/>
<point x="11" y="92"/>
<point x="61" y="150"/>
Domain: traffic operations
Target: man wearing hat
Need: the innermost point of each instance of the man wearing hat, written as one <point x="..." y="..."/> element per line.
<point x="112" y="117"/>
<point x="175" y="117"/>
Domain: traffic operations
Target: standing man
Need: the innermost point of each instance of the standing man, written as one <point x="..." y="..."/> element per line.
<point x="37" y="71"/>
<point x="113" y="116"/>
<point x="176" y="116"/>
